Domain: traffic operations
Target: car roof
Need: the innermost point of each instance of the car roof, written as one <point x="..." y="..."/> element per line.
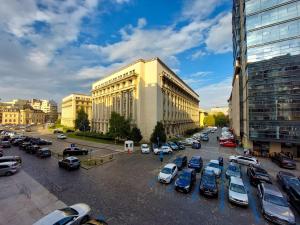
<point x="187" y="170"/>
<point x="7" y="163"/>
<point x="214" y="161"/>
<point x="169" y="165"/>
<point x="233" y="164"/>
<point x="236" y="180"/>
<point x="51" y="218"/>
<point x="271" y="189"/>
<point x="71" y="158"/>
<point x="284" y="173"/>
<point x="208" y="172"/>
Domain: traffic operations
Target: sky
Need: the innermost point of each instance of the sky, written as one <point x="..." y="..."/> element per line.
<point x="51" y="48"/>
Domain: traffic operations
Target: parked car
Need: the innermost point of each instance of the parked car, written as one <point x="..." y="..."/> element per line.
<point x="43" y="153"/>
<point x="196" y="145"/>
<point x="189" y="141"/>
<point x="71" y="215"/>
<point x="180" y="161"/>
<point x="274" y="206"/>
<point x="204" y="138"/>
<point x="237" y="192"/>
<point x="166" y="149"/>
<point x="173" y="146"/>
<point x="69" y="163"/>
<point x="145" y="148"/>
<point x="229" y="144"/>
<point x="9" y="168"/>
<point x="1" y="152"/>
<point x="244" y="160"/>
<point x="61" y="136"/>
<point x="213" y="165"/>
<point x="196" y="163"/>
<point x="180" y="145"/>
<point x="283" y="161"/>
<point x="208" y="184"/>
<point x="233" y="170"/>
<point x="5" y="144"/>
<point x="286" y="179"/>
<point x="56" y="131"/>
<point x="24" y="145"/>
<point x="17" y="141"/>
<point x="258" y="175"/>
<point x="75" y="151"/>
<point x="17" y="159"/>
<point x="167" y="173"/>
<point x="186" y="180"/>
<point x="294" y="196"/>
<point x="155" y="149"/>
<point x="32" y="149"/>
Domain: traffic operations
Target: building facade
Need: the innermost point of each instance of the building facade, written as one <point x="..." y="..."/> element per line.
<point x="266" y="41"/>
<point x="146" y="91"/>
<point x="202" y="115"/>
<point x="71" y="105"/>
<point x="25" y="116"/>
<point x="47" y="106"/>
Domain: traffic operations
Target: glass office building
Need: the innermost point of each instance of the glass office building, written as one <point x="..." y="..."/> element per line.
<point x="271" y="46"/>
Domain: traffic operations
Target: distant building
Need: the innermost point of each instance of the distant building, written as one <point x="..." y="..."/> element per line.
<point x="18" y="103"/>
<point x="146" y="91"/>
<point x="216" y="110"/>
<point x="71" y="105"/>
<point x="202" y="115"/>
<point x="47" y="106"/>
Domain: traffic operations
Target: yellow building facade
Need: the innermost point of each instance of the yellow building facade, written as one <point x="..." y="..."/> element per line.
<point x="202" y="115"/>
<point x="22" y="116"/>
<point x="146" y="91"/>
<point x="71" y="105"/>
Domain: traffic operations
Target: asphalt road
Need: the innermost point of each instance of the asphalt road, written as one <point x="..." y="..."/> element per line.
<point x="126" y="190"/>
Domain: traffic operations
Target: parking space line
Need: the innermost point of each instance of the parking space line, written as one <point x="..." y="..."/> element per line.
<point x="222" y="193"/>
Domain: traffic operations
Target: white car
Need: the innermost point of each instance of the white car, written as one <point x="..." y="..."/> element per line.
<point x="214" y="166"/>
<point x="74" y="214"/>
<point x="167" y="173"/>
<point x="166" y="149"/>
<point x="237" y="192"/>
<point x="145" y="148"/>
<point x="61" y="136"/>
<point x="244" y="160"/>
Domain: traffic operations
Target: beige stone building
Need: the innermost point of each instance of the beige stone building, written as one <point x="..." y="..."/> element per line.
<point x="202" y="115"/>
<point x="71" y="105"/>
<point x="234" y="107"/>
<point x="146" y="91"/>
<point x="25" y="116"/>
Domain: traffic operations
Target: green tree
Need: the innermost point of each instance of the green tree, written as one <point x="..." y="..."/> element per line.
<point x="158" y="132"/>
<point x="119" y="127"/>
<point x="136" y="135"/>
<point x="82" y="121"/>
<point x="209" y="120"/>
<point x="221" y="120"/>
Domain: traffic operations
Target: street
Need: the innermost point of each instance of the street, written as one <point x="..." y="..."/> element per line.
<point x="126" y="191"/>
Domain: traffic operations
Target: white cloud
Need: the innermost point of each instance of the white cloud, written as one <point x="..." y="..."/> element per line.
<point x="121" y="1"/>
<point x="219" y="39"/>
<point x="198" y="54"/>
<point x="215" y="94"/>
<point x="142" y="22"/>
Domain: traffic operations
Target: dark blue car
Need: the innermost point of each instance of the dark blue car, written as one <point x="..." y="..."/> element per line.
<point x="186" y="180"/>
<point x="196" y="163"/>
<point x="208" y="184"/>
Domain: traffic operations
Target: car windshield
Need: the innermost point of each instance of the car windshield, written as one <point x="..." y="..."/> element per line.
<point x="237" y="188"/>
<point x="213" y="165"/>
<point x="277" y="200"/>
<point x="69" y="211"/>
<point x="208" y="179"/>
<point x="178" y="160"/>
<point x="194" y="160"/>
<point x="293" y="180"/>
<point x="145" y="146"/>
<point x="233" y="168"/>
<point x="166" y="170"/>
<point x="185" y="176"/>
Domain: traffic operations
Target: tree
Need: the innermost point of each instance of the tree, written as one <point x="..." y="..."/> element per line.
<point x="82" y="121"/>
<point x="119" y="127"/>
<point x="209" y="120"/>
<point x="221" y="120"/>
<point x="136" y="135"/>
<point x="158" y="132"/>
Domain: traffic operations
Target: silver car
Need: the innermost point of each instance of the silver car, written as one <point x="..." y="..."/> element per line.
<point x="9" y="168"/>
<point x="274" y="206"/>
<point x="74" y="214"/>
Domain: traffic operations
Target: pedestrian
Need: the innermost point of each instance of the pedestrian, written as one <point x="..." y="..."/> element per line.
<point x="161" y="156"/>
<point x="217" y="138"/>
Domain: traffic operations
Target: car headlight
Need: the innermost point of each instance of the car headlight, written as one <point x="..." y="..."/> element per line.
<point x="187" y="187"/>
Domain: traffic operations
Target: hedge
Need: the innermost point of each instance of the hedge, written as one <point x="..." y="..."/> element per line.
<point x="94" y="135"/>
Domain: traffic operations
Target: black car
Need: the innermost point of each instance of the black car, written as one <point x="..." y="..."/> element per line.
<point x="69" y="163"/>
<point x="284" y="161"/>
<point x="258" y="175"/>
<point x="294" y="196"/>
<point x="5" y="144"/>
<point x="186" y="180"/>
<point x="32" y="149"/>
<point x="208" y="184"/>
<point x="181" y="162"/>
<point x="43" y="153"/>
<point x="196" y="163"/>
<point x="286" y="179"/>
<point x="180" y="145"/>
<point x="17" y="141"/>
<point x="204" y="138"/>
<point x="75" y="151"/>
<point x="24" y="145"/>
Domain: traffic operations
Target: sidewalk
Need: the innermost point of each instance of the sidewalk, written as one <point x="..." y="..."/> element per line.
<point x="24" y="201"/>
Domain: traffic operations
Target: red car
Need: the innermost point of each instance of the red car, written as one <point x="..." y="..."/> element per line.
<point x="228" y="144"/>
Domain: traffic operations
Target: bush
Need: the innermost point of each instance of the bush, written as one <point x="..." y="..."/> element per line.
<point x="94" y="135"/>
<point x="192" y="131"/>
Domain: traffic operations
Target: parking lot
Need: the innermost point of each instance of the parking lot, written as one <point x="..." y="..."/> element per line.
<point x="126" y="191"/>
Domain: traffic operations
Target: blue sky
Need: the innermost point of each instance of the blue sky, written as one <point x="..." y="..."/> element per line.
<point x="50" y="48"/>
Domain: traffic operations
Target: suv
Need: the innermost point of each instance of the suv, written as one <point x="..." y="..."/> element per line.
<point x="186" y="180"/>
<point x="196" y="163"/>
<point x="32" y="149"/>
<point x="9" y="168"/>
<point x="75" y="151"/>
<point x="69" y="163"/>
<point x="283" y="161"/>
<point x="258" y="175"/>
<point x="11" y="159"/>
<point x="43" y="153"/>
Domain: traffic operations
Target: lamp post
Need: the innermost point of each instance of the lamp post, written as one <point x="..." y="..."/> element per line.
<point x="157" y="141"/>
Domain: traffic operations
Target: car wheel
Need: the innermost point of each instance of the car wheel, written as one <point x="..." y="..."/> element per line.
<point x="84" y="219"/>
<point x="8" y="173"/>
